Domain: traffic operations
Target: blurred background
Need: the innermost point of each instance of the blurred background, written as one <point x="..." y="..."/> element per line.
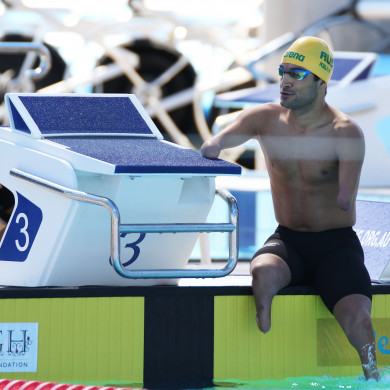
<point x="176" y="56"/>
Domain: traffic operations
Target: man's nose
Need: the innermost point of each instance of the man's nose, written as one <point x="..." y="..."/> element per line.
<point x="285" y="81"/>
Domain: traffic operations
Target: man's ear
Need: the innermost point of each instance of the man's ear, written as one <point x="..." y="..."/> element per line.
<point x="323" y="84"/>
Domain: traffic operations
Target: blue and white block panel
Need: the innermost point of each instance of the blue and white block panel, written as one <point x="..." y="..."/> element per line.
<point x="108" y="146"/>
<point x="22" y="230"/>
<point x="44" y="116"/>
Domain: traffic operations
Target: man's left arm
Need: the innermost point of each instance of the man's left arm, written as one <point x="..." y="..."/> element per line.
<point x="350" y="148"/>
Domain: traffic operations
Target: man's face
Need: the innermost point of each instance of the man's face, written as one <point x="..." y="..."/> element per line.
<point x="296" y="94"/>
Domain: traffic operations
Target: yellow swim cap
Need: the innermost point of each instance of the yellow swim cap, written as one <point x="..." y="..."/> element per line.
<point x="313" y="54"/>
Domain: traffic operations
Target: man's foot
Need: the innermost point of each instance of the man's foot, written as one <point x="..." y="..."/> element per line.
<point x="370" y="369"/>
<point x="371" y="372"/>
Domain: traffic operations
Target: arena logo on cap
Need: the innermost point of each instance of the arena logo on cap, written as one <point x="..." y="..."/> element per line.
<point x="295" y="55"/>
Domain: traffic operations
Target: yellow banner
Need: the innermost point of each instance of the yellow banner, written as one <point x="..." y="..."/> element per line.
<point x="333" y="348"/>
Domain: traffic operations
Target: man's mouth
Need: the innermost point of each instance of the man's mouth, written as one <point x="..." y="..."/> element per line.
<point x="285" y="94"/>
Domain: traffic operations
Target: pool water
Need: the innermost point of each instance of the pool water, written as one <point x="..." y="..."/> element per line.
<point x="299" y="383"/>
<point x="309" y="383"/>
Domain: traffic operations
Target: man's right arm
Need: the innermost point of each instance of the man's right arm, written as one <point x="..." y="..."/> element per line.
<point x="240" y="131"/>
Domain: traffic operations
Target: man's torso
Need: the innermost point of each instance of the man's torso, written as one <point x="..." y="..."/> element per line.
<point x="303" y="169"/>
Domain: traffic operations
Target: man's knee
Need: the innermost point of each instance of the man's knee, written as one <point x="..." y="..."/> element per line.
<point x="360" y="320"/>
<point x="270" y="268"/>
<point x="354" y="313"/>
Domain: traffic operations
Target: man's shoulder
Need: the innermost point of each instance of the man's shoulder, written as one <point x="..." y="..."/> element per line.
<point x="273" y="107"/>
<point x="266" y="109"/>
<point x="259" y="118"/>
<point x="345" y="126"/>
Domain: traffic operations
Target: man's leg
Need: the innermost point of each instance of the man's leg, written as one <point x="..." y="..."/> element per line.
<point x="353" y="313"/>
<point x="269" y="273"/>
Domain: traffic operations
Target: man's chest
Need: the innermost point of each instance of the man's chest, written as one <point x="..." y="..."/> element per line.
<point x="290" y="147"/>
<point x="305" y="158"/>
<point x="303" y="171"/>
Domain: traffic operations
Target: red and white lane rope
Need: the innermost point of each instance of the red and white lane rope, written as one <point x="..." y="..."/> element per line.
<point x="7" y="384"/>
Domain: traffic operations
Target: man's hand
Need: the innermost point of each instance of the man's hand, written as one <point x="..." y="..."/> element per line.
<point x="210" y="149"/>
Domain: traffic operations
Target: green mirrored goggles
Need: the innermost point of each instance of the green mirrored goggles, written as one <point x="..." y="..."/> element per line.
<point x="296" y="74"/>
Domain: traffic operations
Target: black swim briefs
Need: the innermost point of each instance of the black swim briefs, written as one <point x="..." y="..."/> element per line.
<point x="331" y="260"/>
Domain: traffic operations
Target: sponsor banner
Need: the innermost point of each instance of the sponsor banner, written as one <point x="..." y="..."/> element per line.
<point x="18" y="347"/>
<point x="373" y="231"/>
<point x="333" y="348"/>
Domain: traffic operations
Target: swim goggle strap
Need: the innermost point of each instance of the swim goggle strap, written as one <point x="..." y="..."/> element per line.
<point x="296" y="74"/>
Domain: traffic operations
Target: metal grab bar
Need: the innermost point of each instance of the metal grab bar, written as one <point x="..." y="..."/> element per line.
<point x="178" y="228"/>
<point x="24" y="47"/>
<point x="231" y="228"/>
<point x="117" y="228"/>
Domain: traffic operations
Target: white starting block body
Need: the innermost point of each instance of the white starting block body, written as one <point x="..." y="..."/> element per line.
<point x="105" y="145"/>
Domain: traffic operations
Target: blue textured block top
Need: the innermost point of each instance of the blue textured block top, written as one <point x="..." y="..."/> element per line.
<point x="114" y="129"/>
<point x="143" y="155"/>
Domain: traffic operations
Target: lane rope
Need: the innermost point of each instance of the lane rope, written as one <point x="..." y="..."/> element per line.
<point x="7" y="384"/>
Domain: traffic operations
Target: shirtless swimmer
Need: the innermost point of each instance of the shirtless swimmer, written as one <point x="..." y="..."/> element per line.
<point x="314" y="154"/>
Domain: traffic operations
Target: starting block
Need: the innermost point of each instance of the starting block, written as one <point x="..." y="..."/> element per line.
<point x="65" y="156"/>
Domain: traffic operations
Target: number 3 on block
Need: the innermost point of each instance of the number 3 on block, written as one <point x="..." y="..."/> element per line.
<point x="22" y="230"/>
